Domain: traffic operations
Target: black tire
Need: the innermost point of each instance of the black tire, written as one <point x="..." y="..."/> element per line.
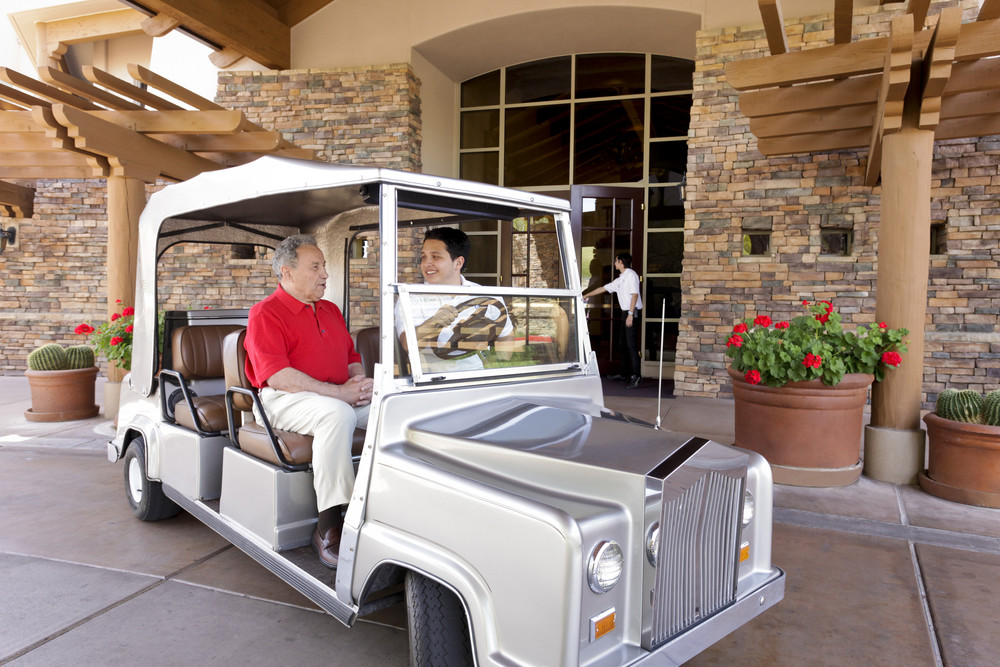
<point x="439" y="630"/>
<point x="144" y="497"/>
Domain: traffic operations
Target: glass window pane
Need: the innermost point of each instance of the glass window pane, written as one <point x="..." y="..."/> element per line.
<point x="670" y="74"/>
<point x="670" y="332"/>
<point x="669" y="116"/>
<point x="536" y="260"/>
<point x="539" y="81"/>
<point x="608" y="145"/>
<point x="666" y="207"/>
<point x="664" y="251"/>
<point x="598" y="212"/>
<point x="482" y="91"/>
<point x="662" y="292"/>
<point x="667" y="161"/>
<point x="482" y="167"/>
<point x="483" y="256"/>
<point x="610" y="74"/>
<point x="481" y="129"/>
<point x="536" y="146"/>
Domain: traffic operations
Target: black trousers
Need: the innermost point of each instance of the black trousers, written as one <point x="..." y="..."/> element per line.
<point x="630" y="364"/>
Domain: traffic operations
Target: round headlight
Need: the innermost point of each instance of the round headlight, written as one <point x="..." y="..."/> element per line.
<point x="747" y="508"/>
<point x="653" y="543"/>
<point x="605" y="567"/>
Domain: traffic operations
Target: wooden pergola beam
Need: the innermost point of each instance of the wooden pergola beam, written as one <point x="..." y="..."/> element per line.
<point x="858" y="90"/>
<point x="159" y="25"/>
<point x="843" y="21"/>
<point x="972" y="76"/>
<point x="774" y="26"/>
<point x="246" y="27"/>
<point x="919" y="10"/>
<point x="19" y="97"/>
<point x="242" y="142"/>
<point x="84" y="89"/>
<point x="989" y="10"/>
<point x="224" y="121"/>
<point x="113" y="83"/>
<point x="168" y="87"/>
<point x="18" y="198"/>
<point x="43" y="90"/>
<point x="895" y="82"/>
<point x="937" y="66"/>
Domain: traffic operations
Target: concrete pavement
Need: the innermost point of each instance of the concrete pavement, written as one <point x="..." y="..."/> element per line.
<point x="877" y="574"/>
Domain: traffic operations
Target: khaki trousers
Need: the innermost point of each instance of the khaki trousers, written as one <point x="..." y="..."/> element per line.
<point x="331" y="423"/>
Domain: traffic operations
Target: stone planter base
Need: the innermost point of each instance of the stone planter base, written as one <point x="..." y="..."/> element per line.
<point x="816" y="477"/>
<point x="58" y="396"/>
<point x="958" y="495"/>
<point x="893" y="455"/>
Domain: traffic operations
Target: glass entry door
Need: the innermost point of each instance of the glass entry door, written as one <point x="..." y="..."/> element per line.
<point x="606" y="221"/>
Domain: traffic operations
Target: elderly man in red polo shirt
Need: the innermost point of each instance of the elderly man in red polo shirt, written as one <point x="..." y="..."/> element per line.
<point x="301" y="357"/>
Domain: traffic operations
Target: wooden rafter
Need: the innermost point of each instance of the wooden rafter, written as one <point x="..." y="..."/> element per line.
<point x="774" y="26"/>
<point x="919" y="10"/>
<point x="843" y="21"/>
<point x="937" y="66"/>
<point x="891" y="98"/>
<point x="126" y="89"/>
<point x="989" y="10"/>
<point x="171" y="89"/>
<point x="17" y="200"/>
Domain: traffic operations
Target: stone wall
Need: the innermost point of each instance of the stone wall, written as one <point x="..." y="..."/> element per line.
<point x="732" y="187"/>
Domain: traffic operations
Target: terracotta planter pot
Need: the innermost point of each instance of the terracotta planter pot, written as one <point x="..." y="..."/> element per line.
<point x="963" y="463"/>
<point x="809" y="432"/>
<point x="58" y="396"/>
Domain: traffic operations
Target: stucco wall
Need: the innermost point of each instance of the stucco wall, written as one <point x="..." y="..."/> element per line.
<point x="732" y="185"/>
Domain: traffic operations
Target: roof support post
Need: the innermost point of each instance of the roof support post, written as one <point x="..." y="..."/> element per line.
<point x="126" y="199"/>
<point x="901" y="299"/>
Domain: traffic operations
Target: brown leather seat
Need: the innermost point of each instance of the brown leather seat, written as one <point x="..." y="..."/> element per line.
<point x="367" y="344"/>
<point x="197" y="355"/>
<point x="286" y="448"/>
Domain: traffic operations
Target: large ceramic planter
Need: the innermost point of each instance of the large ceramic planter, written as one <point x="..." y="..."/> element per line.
<point x="58" y="396"/>
<point x="809" y="432"/>
<point x="963" y="462"/>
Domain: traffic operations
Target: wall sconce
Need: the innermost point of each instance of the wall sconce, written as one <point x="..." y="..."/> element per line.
<point x="7" y="236"/>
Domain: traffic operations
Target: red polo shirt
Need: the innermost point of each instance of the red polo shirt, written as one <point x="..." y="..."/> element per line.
<point x="284" y="332"/>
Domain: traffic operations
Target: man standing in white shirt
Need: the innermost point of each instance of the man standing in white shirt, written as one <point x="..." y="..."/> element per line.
<point x="626" y="287"/>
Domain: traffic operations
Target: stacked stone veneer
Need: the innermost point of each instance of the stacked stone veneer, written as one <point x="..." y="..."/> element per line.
<point x="56" y="276"/>
<point x="732" y="187"/>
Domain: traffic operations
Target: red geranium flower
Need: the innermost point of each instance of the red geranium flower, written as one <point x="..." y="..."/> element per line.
<point x="128" y="310"/>
<point x="128" y="329"/>
<point x="116" y="340"/>
<point x="892" y="359"/>
<point x="740" y="328"/>
<point x="734" y="341"/>
<point x="752" y="377"/>
<point x="882" y="325"/>
<point x="84" y="329"/>
<point x="762" y="321"/>
<point x="782" y="325"/>
<point x="812" y="360"/>
<point x="115" y="316"/>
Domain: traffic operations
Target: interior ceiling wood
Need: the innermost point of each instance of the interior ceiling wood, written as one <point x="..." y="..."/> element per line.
<point x="257" y="29"/>
<point x="101" y="126"/>
<point x="850" y="94"/>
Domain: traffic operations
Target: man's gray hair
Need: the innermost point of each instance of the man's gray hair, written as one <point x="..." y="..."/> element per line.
<point x="287" y="252"/>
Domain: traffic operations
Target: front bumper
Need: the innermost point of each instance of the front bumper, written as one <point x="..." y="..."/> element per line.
<point x="698" y="637"/>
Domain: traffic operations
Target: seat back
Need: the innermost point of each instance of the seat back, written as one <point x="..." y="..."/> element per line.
<point x="366" y="342"/>
<point x="197" y="350"/>
<point x="234" y="359"/>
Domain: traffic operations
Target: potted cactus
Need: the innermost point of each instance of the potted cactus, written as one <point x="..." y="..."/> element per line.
<point x="62" y="383"/>
<point x="963" y="443"/>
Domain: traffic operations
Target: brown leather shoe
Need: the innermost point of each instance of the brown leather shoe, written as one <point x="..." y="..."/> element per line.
<point x="327" y="546"/>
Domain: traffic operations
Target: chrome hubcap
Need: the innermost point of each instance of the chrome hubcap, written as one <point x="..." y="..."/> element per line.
<point x="135" y="481"/>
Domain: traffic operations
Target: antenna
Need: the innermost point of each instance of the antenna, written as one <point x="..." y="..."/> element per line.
<point x="659" y="384"/>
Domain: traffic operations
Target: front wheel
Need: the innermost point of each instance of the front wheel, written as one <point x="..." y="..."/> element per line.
<point x="439" y="630"/>
<point x="145" y="497"/>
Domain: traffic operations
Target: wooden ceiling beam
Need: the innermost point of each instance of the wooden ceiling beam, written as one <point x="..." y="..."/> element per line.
<point x="43" y="90"/>
<point x="891" y="98"/>
<point x="989" y="10"/>
<point x="962" y="105"/>
<point x="812" y="143"/>
<point x="980" y="39"/>
<point x="129" y="153"/>
<point x="91" y="27"/>
<point x="226" y="121"/>
<point x="20" y="98"/>
<point x="846" y="118"/>
<point x="18" y="198"/>
<point x="857" y="90"/>
<point x="159" y="25"/>
<point x="843" y="21"/>
<point x="85" y="89"/>
<point x="293" y="12"/>
<point x="970" y="126"/>
<point x="237" y="24"/>
<point x="122" y="87"/>
<point x="44" y="158"/>
<point x="973" y="75"/>
<point x="919" y="10"/>
<point x="774" y="26"/>
<point x="47" y="172"/>
<point x="225" y="57"/>
<point x="937" y="66"/>
<point x="171" y="89"/>
<point x="264" y="142"/>
<point x="13" y="142"/>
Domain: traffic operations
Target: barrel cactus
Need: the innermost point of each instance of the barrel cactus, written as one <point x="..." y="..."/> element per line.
<point x="79" y="356"/>
<point x="945" y="406"/>
<point x="991" y="408"/>
<point x="968" y="407"/>
<point x="51" y="357"/>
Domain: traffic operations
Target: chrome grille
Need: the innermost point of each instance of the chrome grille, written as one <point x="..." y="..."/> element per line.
<point x="698" y="553"/>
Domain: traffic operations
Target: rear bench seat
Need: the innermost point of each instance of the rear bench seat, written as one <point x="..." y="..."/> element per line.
<point x="197" y="359"/>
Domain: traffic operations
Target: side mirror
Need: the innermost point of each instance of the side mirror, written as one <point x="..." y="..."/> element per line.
<point x="7" y="236"/>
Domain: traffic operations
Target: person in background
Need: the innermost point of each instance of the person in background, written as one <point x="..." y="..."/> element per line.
<point x="311" y="380"/>
<point x="626" y="288"/>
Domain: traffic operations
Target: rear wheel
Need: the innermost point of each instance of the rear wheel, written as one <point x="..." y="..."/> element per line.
<point x="439" y="630"/>
<point x="145" y="497"/>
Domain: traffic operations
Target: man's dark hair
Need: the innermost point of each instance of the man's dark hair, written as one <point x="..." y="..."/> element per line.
<point x="626" y="258"/>
<point x="455" y="240"/>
